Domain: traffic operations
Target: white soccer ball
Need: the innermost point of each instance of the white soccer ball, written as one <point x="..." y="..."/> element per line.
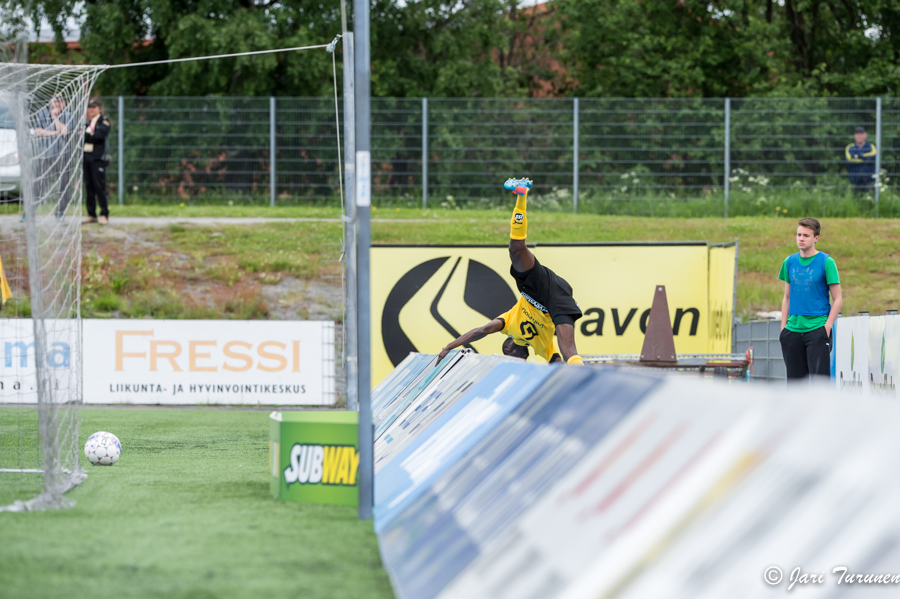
<point x="102" y="449"/>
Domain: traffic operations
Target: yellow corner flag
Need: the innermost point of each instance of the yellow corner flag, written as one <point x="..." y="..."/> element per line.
<point x="5" y="292"/>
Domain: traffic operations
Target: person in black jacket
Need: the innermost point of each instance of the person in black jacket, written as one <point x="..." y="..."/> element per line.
<point x="860" y="157"/>
<point x="96" y="131"/>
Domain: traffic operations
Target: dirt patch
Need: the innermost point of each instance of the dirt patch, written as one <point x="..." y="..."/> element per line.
<point x="135" y="271"/>
<point x="298" y="299"/>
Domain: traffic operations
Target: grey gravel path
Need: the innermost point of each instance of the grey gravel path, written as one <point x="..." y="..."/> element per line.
<point x="7" y="222"/>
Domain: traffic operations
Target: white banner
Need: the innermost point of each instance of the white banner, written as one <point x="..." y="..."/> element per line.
<point x="884" y="354"/>
<point x="17" y="362"/>
<point x="851" y="353"/>
<point x="209" y="362"/>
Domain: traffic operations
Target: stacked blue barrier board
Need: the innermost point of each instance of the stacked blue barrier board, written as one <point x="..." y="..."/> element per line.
<point x="430" y="403"/>
<point x="399" y="378"/>
<point x="451" y="436"/>
<point x="460" y="366"/>
<point x="548" y="481"/>
<point x="428" y="545"/>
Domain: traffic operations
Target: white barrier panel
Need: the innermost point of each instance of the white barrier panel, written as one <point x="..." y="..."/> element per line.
<point x="792" y="486"/>
<point x="616" y="484"/>
<point x="209" y="362"/>
<point x="884" y="354"/>
<point x="681" y="438"/>
<point x="17" y="367"/>
<point x="851" y="353"/>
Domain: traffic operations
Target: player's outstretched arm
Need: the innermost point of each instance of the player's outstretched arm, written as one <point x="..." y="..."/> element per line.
<point x="475" y="334"/>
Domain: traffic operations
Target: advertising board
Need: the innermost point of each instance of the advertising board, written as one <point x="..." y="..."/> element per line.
<point x="884" y="354"/>
<point x="18" y="372"/>
<point x="423" y="297"/>
<point x="314" y="457"/>
<point x="851" y="353"/>
<point x="209" y="362"/>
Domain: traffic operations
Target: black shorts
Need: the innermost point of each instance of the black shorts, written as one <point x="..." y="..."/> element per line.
<point x="548" y="292"/>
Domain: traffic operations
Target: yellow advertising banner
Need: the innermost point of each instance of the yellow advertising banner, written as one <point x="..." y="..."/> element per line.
<point x="722" y="269"/>
<point x="423" y="297"/>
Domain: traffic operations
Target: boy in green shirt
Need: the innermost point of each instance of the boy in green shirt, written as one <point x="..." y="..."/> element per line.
<point x="807" y="317"/>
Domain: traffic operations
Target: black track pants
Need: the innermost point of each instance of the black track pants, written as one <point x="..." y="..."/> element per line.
<point x="806" y="354"/>
<point x="95" y="187"/>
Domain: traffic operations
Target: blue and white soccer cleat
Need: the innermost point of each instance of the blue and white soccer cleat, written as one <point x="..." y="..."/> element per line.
<point x="518" y="186"/>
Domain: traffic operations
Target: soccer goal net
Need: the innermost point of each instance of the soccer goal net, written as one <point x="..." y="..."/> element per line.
<point x="43" y="111"/>
<point x="42" y="115"/>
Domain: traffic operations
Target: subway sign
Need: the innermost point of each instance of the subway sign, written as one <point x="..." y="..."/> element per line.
<point x="314" y="457"/>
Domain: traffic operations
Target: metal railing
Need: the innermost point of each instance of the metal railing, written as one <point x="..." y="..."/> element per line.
<point x="736" y="154"/>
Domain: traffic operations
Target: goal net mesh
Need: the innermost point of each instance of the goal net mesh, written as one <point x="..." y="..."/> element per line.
<point x="42" y="118"/>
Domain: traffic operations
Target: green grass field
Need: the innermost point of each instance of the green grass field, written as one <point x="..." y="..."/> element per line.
<point x="186" y="514"/>
<point x="235" y="261"/>
<point x="749" y="197"/>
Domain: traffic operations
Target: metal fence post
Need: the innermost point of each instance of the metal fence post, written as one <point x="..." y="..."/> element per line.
<point x="727" y="152"/>
<point x="351" y="348"/>
<point x="121" y="150"/>
<point x="877" y="154"/>
<point x="362" y="89"/>
<point x="424" y="152"/>
<point x="575" y="158"/>
<point x="272" y="186"/>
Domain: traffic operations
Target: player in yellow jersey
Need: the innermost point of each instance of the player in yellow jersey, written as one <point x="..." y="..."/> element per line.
<point x="546" y="306"/>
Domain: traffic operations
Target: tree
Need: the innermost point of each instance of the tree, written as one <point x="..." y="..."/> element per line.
<point x="422" y="47"/>
<point x="14" y="15"/>
<point x="845" y="48"/>
<point x="662" y="48"/>
<point x="145" y="30"/>
<point x="472" y="48"/>
<point x="731" y="47"/>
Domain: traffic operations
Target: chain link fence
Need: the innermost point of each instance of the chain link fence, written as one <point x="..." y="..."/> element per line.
<point x="703" y="156"/>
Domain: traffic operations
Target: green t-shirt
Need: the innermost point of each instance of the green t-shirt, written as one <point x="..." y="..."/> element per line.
<point x="799" y="323"/>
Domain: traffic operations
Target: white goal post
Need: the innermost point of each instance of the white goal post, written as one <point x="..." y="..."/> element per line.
<point x="41" y="256"/>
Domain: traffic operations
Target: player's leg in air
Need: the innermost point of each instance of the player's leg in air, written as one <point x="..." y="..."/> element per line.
<point x="521" y="257"/>
<point x="555" y="292"/>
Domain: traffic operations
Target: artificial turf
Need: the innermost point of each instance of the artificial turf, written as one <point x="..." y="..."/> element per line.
<point x="186" y="513"/>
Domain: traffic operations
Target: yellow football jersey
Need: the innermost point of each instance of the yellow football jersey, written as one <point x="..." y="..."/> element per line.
<point x="528" y="325"/>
